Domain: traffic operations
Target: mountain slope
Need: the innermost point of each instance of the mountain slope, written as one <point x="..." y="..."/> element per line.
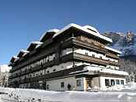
<point x="126" y="43"/>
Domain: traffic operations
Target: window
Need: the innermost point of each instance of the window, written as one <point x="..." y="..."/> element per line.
<point x="47" y="87"/>
<point x="122" y="82"/>
<point x="112" y="82"/>
<point x="62" y="84"/>
<point x="79" y="82"/>
<point x="107" y="82"/>
<point x="117" y="82"/>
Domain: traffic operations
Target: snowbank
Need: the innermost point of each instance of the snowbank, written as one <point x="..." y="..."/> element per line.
<point x="126" y="94"/>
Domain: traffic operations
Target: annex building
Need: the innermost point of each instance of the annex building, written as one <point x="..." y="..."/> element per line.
<point x="73" y="58"/>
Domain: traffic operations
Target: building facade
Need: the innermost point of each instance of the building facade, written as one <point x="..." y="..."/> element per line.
<point x="73" y="58"/>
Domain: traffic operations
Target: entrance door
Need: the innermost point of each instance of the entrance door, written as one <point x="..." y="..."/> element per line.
<point x="89" y="82"/>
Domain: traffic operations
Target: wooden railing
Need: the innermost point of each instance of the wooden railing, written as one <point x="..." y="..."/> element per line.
<point x="94" y="59"/>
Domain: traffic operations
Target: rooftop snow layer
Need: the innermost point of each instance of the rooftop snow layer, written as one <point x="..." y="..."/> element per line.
<point x="111" y="49"/>
<point x="105" y="70"/>
<point x="85" y="30"/>
<point x="51" y="30"/>
<point x="24" y="51"/>
<point x="37" y="42"/>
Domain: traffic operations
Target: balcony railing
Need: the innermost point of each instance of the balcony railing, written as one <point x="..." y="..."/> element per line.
<point x="112" y="55"/>
<point x="94" y="59"/>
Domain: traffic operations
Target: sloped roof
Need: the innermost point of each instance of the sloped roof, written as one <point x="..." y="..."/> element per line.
<point x="49" y="34"/>
<point x="113" y="50"/>
<point x="22" y="52"/>
<point x="13" y="59"/>
<point x="33" y="45"/>
<point x="84" y="28"/>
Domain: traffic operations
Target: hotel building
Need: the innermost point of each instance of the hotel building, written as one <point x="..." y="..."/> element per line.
<point x="73" y="58"/>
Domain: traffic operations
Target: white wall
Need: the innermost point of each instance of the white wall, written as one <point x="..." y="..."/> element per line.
<point x="56" y="84"/>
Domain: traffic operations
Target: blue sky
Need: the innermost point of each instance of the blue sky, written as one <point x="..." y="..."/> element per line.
<point x="22" y="21"/>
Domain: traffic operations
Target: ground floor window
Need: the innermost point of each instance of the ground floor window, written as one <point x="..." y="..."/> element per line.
<point x="107" y="82"/>
<point x="62" y="84"/>
<point x="79" y="82"/>
<point x="122" y="82"/>
<point x="117" y="82"/>
<point x="112" y="82"/>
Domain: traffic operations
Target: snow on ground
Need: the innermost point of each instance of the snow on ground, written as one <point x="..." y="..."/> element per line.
<point x="126" y="94"/>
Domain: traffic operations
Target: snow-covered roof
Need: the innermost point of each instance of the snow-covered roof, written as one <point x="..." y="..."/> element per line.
<point x="36" y="42"/>
<point x="25" y="51"/>
<point x="111" y="49"/>
<point x="53" y="30"/>
<point x="22" y="52"/>
<point x="13" y="59"/>
<point x="90" y="28"/>
<point x="33" y="45"/>
<point x="49" y="31"/>
<point x="105" y="70"/>
<point x="85" y="29"/>
<point x="110" y="71"/>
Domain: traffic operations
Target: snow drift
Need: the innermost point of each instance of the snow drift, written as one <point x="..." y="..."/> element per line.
<point x="126" y="94"/>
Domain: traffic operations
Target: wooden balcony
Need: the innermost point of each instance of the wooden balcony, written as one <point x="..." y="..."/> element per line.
<point x="89" y="46"/>
<point x="94" y="60"/>
<point x="69" y="57"/>
<point x="112" y="55"/>
<point x="53" y="75"/>
<point x="94" y="46"/>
